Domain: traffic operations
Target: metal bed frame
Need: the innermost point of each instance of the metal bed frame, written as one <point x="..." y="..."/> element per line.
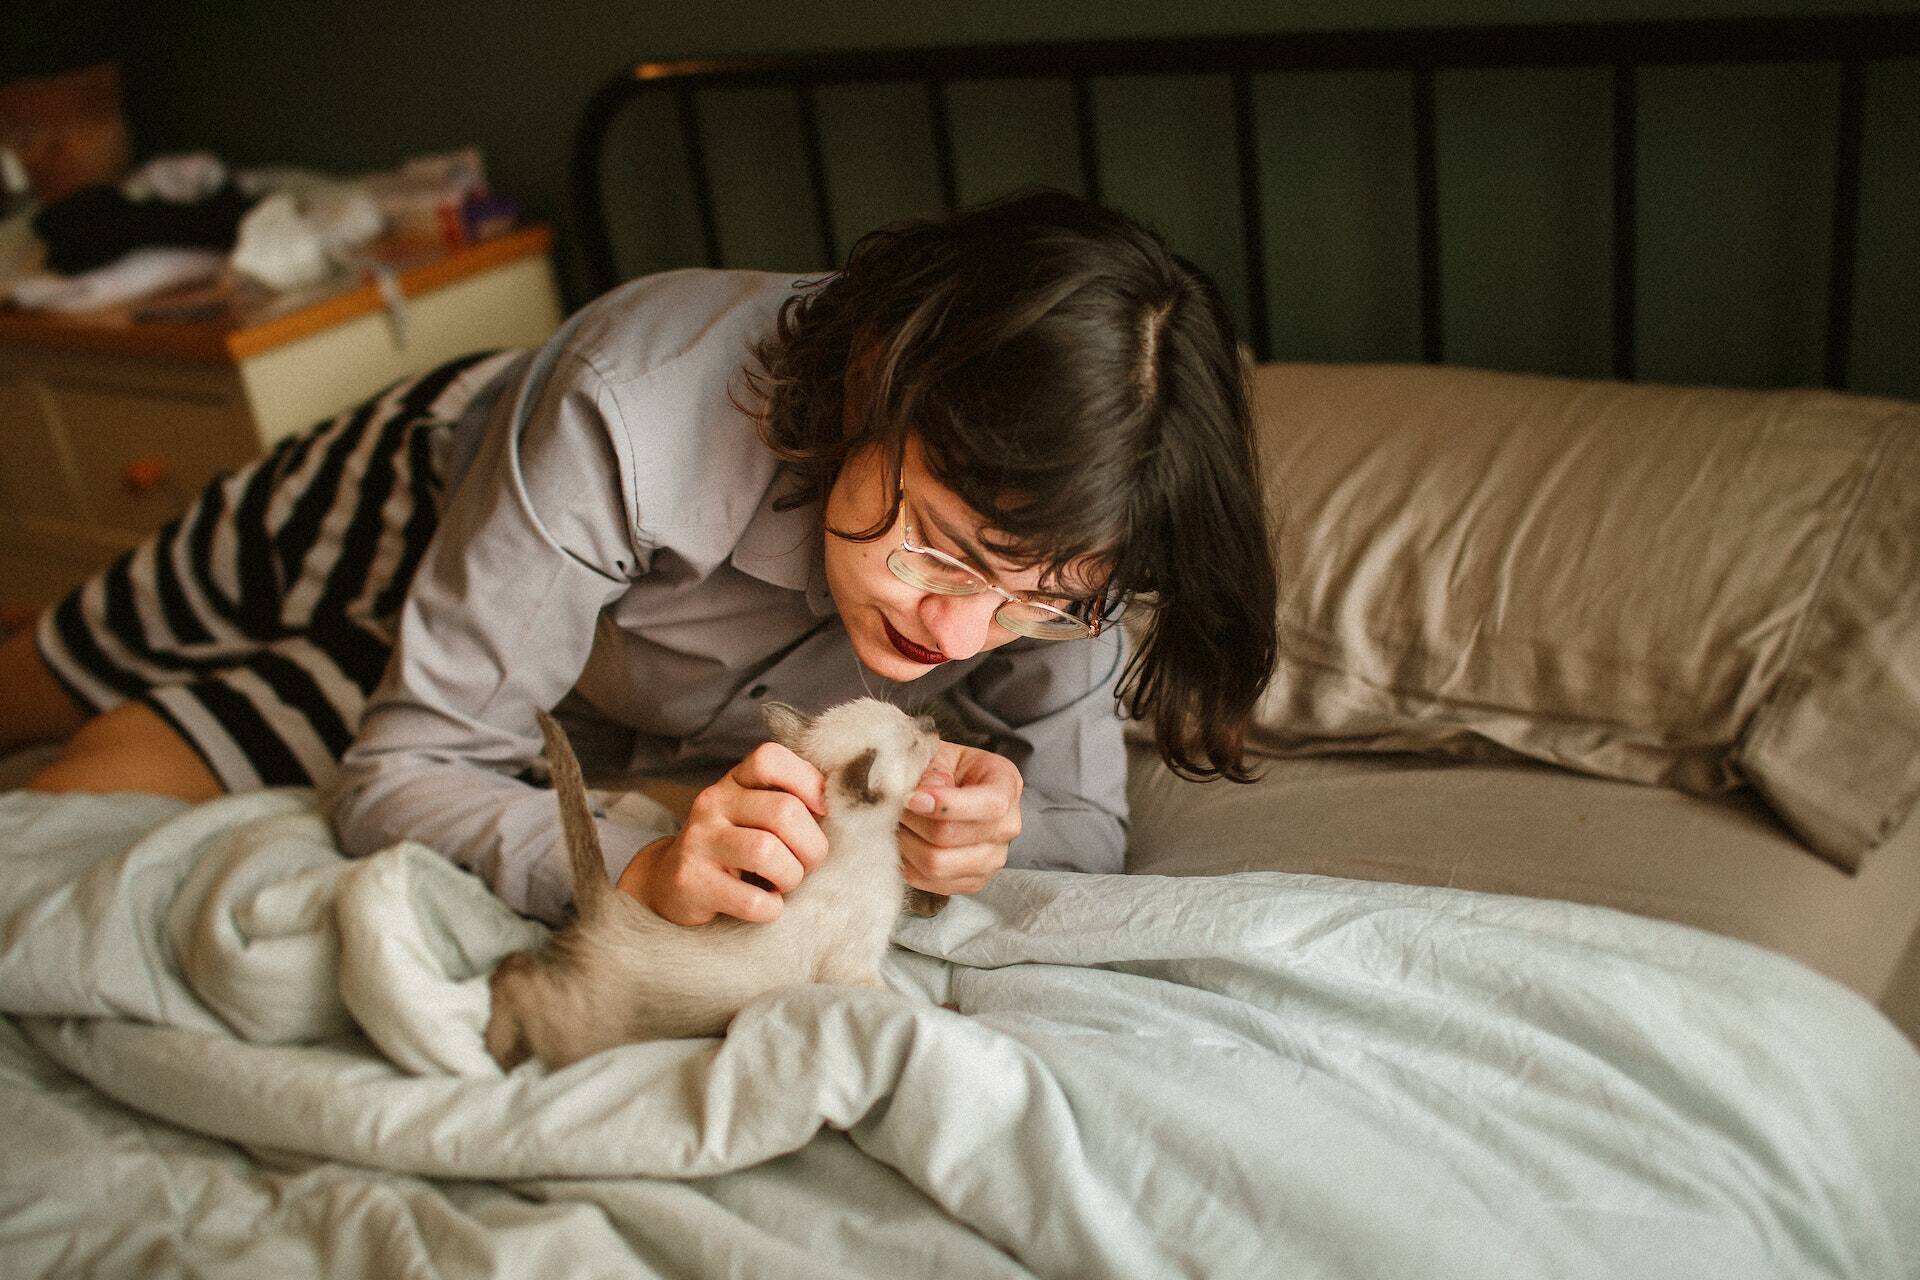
<point x="1623" y="47"/>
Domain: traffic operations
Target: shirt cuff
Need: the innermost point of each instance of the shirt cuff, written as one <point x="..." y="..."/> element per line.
<point x="631" y="822"/>
<point x="1063" y="835"/>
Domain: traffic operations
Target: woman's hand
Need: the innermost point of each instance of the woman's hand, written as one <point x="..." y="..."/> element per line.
<point x="958" y="824"/>
<point x="761" y="819"/>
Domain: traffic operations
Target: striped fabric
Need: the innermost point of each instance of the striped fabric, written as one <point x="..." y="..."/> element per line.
<point x="258" y="622"/>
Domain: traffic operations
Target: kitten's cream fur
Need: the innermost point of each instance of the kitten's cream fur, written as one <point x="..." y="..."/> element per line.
<point x="620" y="973"/>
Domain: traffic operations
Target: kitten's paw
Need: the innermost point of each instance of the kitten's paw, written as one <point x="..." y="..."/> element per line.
<point x="923" y="904"/>
<point x="506" y="1036"/>
<point x="868" y="981"/>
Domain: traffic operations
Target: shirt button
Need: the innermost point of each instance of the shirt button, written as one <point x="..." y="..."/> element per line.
<point x="758" y="691"/>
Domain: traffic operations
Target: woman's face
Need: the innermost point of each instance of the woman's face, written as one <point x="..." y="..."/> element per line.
<point x="899" y="631"/>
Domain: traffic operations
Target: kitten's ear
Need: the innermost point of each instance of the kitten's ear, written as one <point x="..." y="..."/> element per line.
<point x="788" y="725"/>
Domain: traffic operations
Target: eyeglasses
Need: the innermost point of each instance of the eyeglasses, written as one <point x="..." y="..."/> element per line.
<point x="930" y="569"/>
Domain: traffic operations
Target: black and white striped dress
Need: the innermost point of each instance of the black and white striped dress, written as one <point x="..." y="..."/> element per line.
<point x="259" y="621"/>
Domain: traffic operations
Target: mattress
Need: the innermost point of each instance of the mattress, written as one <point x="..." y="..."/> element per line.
<point x="1719" y="864"/>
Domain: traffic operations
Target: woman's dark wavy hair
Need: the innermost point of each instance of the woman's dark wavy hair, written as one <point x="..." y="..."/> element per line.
<point x="1076" y="383"/>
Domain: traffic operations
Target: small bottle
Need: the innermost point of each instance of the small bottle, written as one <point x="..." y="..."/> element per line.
<point x="21" y="252"/>
<point x="16" y="192"/>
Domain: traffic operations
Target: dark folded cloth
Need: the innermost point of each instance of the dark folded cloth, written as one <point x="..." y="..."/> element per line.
<point x="97" y="225"/>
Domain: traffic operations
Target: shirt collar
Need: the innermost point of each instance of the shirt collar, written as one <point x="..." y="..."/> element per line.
<point x="787" y="548"/>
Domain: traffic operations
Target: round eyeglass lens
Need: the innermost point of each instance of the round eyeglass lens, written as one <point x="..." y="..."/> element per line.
<point x="1039" y="623"/>
<point x="930" y="573"/>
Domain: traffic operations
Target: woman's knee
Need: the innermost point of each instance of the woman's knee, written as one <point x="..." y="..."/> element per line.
<point x="34" y="707"/>
<point x="129" y="748"/>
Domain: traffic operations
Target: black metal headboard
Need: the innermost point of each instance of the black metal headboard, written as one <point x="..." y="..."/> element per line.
<point x="676" y="175"/>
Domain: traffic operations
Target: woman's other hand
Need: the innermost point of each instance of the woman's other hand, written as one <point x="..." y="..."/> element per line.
<point x="959" y="822"/>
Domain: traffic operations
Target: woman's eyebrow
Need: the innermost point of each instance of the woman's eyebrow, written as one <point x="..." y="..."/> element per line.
<point x="979" y="558"/>
<point x="967" y="546"/>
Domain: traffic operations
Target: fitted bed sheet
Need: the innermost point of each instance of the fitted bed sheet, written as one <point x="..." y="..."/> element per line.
<point x="1722" y="864"/>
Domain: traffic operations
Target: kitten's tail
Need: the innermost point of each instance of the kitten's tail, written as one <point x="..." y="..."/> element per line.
<point x="576" y="819"/>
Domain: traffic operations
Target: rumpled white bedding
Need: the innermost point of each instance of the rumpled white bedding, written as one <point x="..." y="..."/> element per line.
<point x="231" y="1052"/>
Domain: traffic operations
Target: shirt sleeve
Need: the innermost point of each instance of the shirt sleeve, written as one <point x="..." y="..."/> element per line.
<point x="536" y="540"/>
<point x="1049" y="707"/>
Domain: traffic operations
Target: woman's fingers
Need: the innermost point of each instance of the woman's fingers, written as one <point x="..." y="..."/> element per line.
<point x="749" y="838"/>
<point x="967" y="797"/>
<point x="772" y="767"/>
<point x="788" y="822"/>
<point x="683" y="882"/>
<point x="949" y="869"/>
<point x="762" y="853"/>
<point x="731" y="896"/>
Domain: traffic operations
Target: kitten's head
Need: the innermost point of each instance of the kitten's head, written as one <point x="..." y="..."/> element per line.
<point x="872" y="753"/>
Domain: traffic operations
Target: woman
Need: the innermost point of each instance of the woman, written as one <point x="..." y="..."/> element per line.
<point x="941" y="472"/>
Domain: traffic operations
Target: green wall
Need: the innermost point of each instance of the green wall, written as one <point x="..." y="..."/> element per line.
<point x="354" y="85"/>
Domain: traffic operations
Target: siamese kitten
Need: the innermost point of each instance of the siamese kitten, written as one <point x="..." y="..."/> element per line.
<point x="620" y="973"/>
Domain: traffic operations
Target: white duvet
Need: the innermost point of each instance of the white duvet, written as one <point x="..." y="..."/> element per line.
<point x="231" y="1052"/>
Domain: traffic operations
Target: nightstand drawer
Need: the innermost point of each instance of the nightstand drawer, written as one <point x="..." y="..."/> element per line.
<point x="140" y="457"/>
<point x="34" y="480"/>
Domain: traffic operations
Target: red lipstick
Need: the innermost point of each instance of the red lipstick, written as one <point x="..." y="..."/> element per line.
<point x="911" y="651"/>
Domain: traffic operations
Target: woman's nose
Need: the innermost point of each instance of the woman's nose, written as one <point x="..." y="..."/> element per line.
<point x="960" y="625"/>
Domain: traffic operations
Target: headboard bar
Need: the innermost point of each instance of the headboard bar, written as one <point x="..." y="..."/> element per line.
<point x="1246" y="146"/>
<point x="1846" y="219"/>
<point x="1824" y="38"/>
<point x="817" y="172"/>
<point x="942" y="125"/>
<point x="1621" y="48"/>
<point x="1626" y="84"/>
<point x="688" y="108"/>
<point x="1426" y="169"/>
<point x="1089" y="139"/>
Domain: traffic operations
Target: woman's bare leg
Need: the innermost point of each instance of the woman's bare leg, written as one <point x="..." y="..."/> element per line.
<point x="130" y="748"/>
<point x="34" y="707"/>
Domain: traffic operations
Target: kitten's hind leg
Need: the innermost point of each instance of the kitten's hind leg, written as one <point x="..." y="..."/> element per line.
<point x="506" y="1037"/>
<point x="839" y="972"/>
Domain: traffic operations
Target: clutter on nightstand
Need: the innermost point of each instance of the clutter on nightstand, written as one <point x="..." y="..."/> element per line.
<point x="164" y="326"/>
<point x="184" y="220"/>
<point x="20" y="249"/>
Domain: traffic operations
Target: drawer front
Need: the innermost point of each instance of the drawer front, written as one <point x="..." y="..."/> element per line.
<point x="34" y="479"/>
<point x="39" y="565"/>
<point x="141" y="455"/>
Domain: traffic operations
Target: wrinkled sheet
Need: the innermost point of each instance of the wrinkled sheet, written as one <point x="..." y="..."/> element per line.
<point x="228" y="1051"/>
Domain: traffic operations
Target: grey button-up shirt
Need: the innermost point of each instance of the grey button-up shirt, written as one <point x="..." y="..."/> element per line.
<point x="611" y="539"/>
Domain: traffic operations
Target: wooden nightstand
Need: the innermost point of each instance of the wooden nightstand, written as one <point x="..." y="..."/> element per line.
<point x="109" y="426"/>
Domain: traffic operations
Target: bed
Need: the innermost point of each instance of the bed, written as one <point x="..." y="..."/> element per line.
<point x="1569" y="931"/>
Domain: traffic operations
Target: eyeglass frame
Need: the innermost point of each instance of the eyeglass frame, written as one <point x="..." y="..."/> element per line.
<point x="1091" y="627"/>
